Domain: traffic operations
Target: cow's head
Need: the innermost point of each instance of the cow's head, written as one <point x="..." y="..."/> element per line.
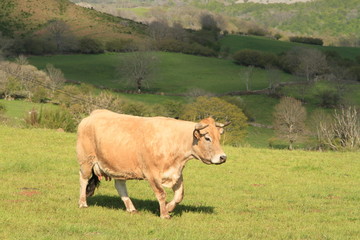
<point x="206" y="144"/>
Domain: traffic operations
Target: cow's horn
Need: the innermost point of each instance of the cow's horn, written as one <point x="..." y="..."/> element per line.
<point x="200" y="126"/>
<point x="222" y="125"/>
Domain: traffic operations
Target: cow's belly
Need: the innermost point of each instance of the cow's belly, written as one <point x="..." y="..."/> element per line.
<point x="171" y="176"/>
<point x="120" y="168"/>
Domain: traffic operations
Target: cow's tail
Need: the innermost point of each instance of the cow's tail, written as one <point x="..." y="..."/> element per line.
<point x="93" y="183"/>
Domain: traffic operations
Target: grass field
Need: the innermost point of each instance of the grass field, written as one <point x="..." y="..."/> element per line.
<point x="235" y="43"/>
<point x="257" y="194"/>
<point x="175" y="73"/>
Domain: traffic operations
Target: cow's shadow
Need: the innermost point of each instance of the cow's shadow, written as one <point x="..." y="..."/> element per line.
<point x="114" y="202"/>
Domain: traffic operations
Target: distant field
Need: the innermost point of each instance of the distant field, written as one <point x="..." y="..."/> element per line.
<point x="175" y="73"/>
<point x="17" y="110"/>
<point x="235" y="43"/>
<point x="256" y="194"/>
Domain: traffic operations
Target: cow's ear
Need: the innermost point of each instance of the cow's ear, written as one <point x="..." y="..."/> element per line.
<point x="198" y="127"/>
<point x="197" y="134"/>
<point x="221" y="130"/>
<point x="221" y="126"/>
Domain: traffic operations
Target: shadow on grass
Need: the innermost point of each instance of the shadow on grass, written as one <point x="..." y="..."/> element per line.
<point x="114" y="202"/>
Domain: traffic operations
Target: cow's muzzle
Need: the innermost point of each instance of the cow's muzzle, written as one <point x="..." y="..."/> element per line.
<point x="219" y="159"/>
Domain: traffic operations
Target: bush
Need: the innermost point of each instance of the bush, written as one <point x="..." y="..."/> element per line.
<point x="38" y="46"/>
<point x="221" y="111"/>
<point x="326" y="95"/>
<point x="136" y="109"/>
<point x="173" y="108"/>
<point x="354" y="73"/>
<point x="307" y="40"/>
<point x="339" y="131"/>
<point x="2" y="108"/>
<point x="119" y="45"/>
<point x="249" y="57"/>
<point x="258" y="31"/>
<point x="90" y="46"/>
<point x="171" y="45"/>
<point x="51" y="118"/>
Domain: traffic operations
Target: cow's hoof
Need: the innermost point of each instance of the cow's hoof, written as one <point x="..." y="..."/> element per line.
<point x="83" y="205"/>
<point x="134" y="212"/>
<point x="165" y="216"/>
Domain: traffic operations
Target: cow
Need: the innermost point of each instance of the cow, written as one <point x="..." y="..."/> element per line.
<point x="124" y="147"/>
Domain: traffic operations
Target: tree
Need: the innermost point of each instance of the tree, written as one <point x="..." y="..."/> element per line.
<point x="289" y="119"/>
<point x="56" y="77"/>
<point x="208" y="22"/>
<point x="221" y="111"/>
<point x="339" y="131"/>
<point x="137" y="69"/>
<point x="60" y="33"/>
<point x="273" y="76"/>
<point x="312" y="62"/>
<point x="246" y="76"/>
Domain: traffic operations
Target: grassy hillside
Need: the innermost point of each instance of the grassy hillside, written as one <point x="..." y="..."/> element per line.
<point x="236" y="42"/>
<point x="22" y="17"/>
<point x="256" y="194"/>
<point x="328" y="19"/>
<point x="175" y="73"/>
<point x="317" y="18"/>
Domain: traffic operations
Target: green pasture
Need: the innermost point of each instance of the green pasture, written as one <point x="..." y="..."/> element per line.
<point x="175" y="73"/>
<point x="235" y="43"/>
<point x="256" y="194"/>
<point x="17" y="110"/>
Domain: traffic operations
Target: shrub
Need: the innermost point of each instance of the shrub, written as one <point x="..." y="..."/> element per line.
<point x="136" y="109"/>
<point x="240" y="103"/>
<point x="2" y="108"/>
<point x="341" y="131"/>
<point x="307" y="40"/>
<point x="90" y="46"/>
<point x="257" y="31"/>
<point x="51" y="118"/>
<point x="221" y="111"/>
<point x="249" y="57"/>
<point x="354" y="73"/>
<point x="171" y="45"/>
<point x="119" y="45"/>
<point x="326" y="95"/>
<point x="173" y="108"/>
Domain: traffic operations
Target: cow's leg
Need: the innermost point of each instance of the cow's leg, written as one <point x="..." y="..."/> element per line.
<point x="161" y="197"/>
<point x="178" y="189"/>
<point x="85" y="174"/>
<point x="120" y="186"/>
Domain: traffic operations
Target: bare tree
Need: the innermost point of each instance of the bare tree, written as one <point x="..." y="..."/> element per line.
<point x="312" y="62"/>
<point x="289" y="119"/>
<point x="22" y="60"/>
<point x="341" y="130"/>
<point x="56" y="77"/>
<point x="61" y="34"/>
<point x="158" y="30"/>
<point x="137" y="69"/>
<point x="274" y="78"/>
<point x="246" y="76"/>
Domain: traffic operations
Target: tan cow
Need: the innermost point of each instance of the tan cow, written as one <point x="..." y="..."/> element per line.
<point x="125" y="147"/>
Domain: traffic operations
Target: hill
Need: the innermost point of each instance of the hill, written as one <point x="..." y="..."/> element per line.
<point x="22" y="17"/>
<point x="336" y="21"/>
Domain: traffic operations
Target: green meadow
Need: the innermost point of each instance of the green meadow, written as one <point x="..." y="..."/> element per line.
<point x="256" y="194"/>
<point x="235" y="43"/>
<point x="175" y="73"/>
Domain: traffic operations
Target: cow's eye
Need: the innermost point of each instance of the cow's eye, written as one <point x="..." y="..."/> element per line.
<point x="207" y="139"/>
